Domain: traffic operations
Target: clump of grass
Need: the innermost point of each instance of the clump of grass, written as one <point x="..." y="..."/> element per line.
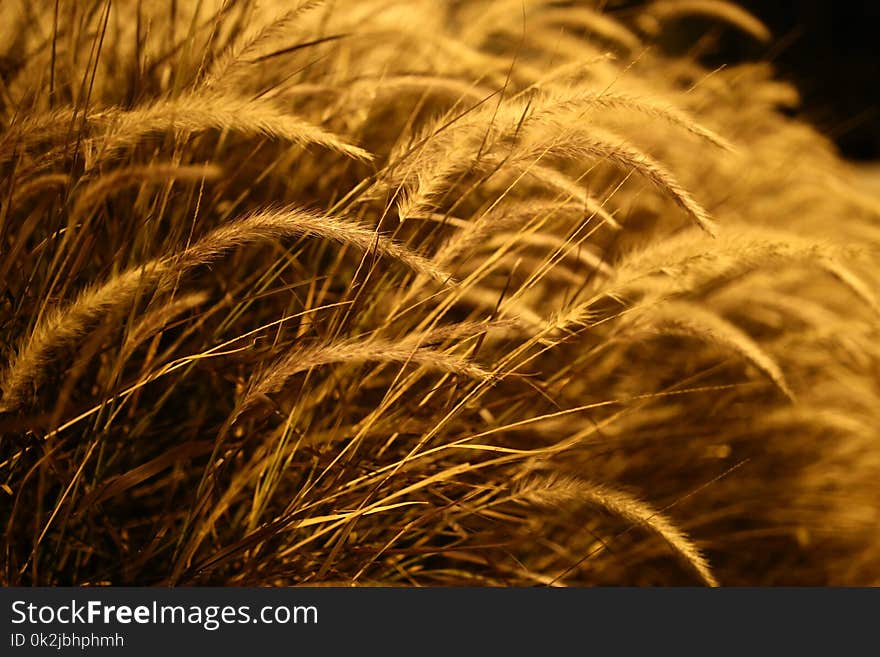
<point x="425" y="293"/>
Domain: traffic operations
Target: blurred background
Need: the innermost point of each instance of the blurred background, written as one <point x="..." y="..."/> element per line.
<point x="831" y="50"/>
<point x="828" y="48"/>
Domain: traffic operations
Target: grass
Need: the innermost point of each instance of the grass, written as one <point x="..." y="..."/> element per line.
<point x="421" y="293"/>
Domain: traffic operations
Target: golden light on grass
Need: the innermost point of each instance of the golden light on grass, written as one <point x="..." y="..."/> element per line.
<point x="425" y="293"/>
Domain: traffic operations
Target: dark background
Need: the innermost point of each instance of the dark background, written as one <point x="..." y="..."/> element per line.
<point x="830" y="50"/>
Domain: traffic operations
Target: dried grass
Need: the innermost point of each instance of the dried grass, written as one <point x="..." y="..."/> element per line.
<point x="425" y="293"/>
